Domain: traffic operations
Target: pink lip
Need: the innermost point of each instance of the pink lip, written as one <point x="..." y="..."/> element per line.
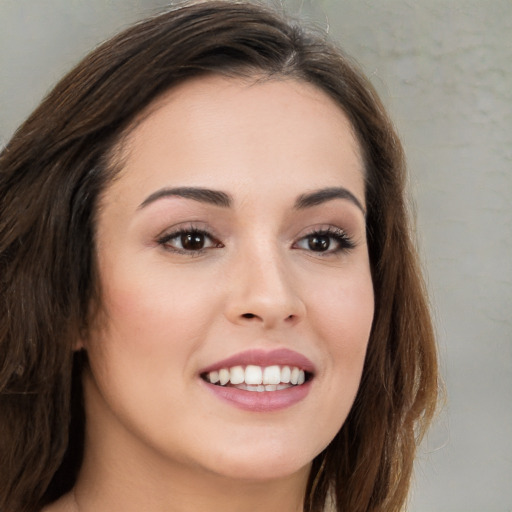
<point x="260" y="357"/>
<point x="265" y="401"/>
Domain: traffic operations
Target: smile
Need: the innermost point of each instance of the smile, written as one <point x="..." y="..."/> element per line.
<point x="260" y="381"/>
<point x="257" y="378"/>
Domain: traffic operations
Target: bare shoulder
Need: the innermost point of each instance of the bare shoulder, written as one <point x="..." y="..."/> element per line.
<point x="64" y="504"/>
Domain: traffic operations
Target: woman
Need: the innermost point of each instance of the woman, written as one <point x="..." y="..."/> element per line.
<point x="209" y="293"/>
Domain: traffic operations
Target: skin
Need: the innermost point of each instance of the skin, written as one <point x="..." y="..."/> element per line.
<point x="156" y="438"/>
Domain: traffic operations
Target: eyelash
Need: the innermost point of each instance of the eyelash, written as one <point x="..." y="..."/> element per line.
<point x="342" y="240"/>
<point x="191" y="230"/>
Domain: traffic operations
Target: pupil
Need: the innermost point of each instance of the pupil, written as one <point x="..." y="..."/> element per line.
<point x="192" y="241"/>
<point x="319" y="243"/>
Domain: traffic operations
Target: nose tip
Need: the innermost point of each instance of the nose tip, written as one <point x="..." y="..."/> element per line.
<point x="263" y="294"/>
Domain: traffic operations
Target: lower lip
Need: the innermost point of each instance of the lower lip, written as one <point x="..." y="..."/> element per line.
<point x="264" y="401"/>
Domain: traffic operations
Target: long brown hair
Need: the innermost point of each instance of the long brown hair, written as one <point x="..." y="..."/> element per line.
<point x="51" y="174"/>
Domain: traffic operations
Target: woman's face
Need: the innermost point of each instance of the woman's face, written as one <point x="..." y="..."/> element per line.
<point x="232" y="245"/>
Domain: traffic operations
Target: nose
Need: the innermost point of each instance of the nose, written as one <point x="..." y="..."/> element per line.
<point x="263" y="292"/>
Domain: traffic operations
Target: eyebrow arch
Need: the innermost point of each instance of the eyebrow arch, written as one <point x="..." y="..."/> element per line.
<point x="203" y="195"/>
<point x="326" y="194"/>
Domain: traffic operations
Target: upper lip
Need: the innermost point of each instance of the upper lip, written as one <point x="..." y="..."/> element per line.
<point x="258" y="357"/>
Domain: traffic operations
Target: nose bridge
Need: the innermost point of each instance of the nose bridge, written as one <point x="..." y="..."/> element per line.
<point x="263" y="289"/>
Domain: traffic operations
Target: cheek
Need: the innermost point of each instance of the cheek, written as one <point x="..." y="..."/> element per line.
<point x="158" y="301"/>
<point x="149" y="329"/>
<point x="344" y="309"/>
<point x="141" y="349"/>
<point x="343" y="314"/>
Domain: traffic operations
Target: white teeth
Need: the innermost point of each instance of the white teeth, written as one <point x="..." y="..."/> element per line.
<point x="214" y="377"/>
<point x="285" y="374"/>
<point x="272" y="375"/>
<point x="257" y="378"/>
<point x="236" y="375"/>
<point x="223" y="376"/>
<point x="253" y="375"/>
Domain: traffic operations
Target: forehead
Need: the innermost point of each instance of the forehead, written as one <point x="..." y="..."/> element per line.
<point x="216" y="131"/>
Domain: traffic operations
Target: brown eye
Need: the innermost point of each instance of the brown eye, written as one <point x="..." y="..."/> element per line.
<point x="328" y="241"/>
<point x="189" y="241"/>
<point x="319" y="243"/>
<point x="192" y="241"/>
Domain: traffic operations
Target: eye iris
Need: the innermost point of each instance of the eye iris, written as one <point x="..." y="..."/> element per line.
<point x="319" y="242"/>
<point x="192" y="241"/>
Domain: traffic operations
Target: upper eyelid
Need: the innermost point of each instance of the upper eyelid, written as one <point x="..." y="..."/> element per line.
<point x="323" y="228"/>
<point x="208" y="230"/>
<point x="332" y="231"/>
<point x="181" y="227"/>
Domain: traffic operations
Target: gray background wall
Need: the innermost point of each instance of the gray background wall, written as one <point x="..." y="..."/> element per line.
<point x="443" y="67"/>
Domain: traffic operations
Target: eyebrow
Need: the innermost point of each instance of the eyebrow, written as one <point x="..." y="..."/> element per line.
<point x="203" y="195"/>
<point x="326" y="194"/>
<point x="222" y="199"/>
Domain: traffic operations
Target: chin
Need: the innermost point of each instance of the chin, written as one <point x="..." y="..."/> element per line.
<point x="263" y="472"/>
<point x="257" y="463"/>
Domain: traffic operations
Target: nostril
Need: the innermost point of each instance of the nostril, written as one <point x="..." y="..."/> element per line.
<point x="248" y="315"/>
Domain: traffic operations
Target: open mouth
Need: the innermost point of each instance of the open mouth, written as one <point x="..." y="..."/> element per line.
<point x="258" y="378"/>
